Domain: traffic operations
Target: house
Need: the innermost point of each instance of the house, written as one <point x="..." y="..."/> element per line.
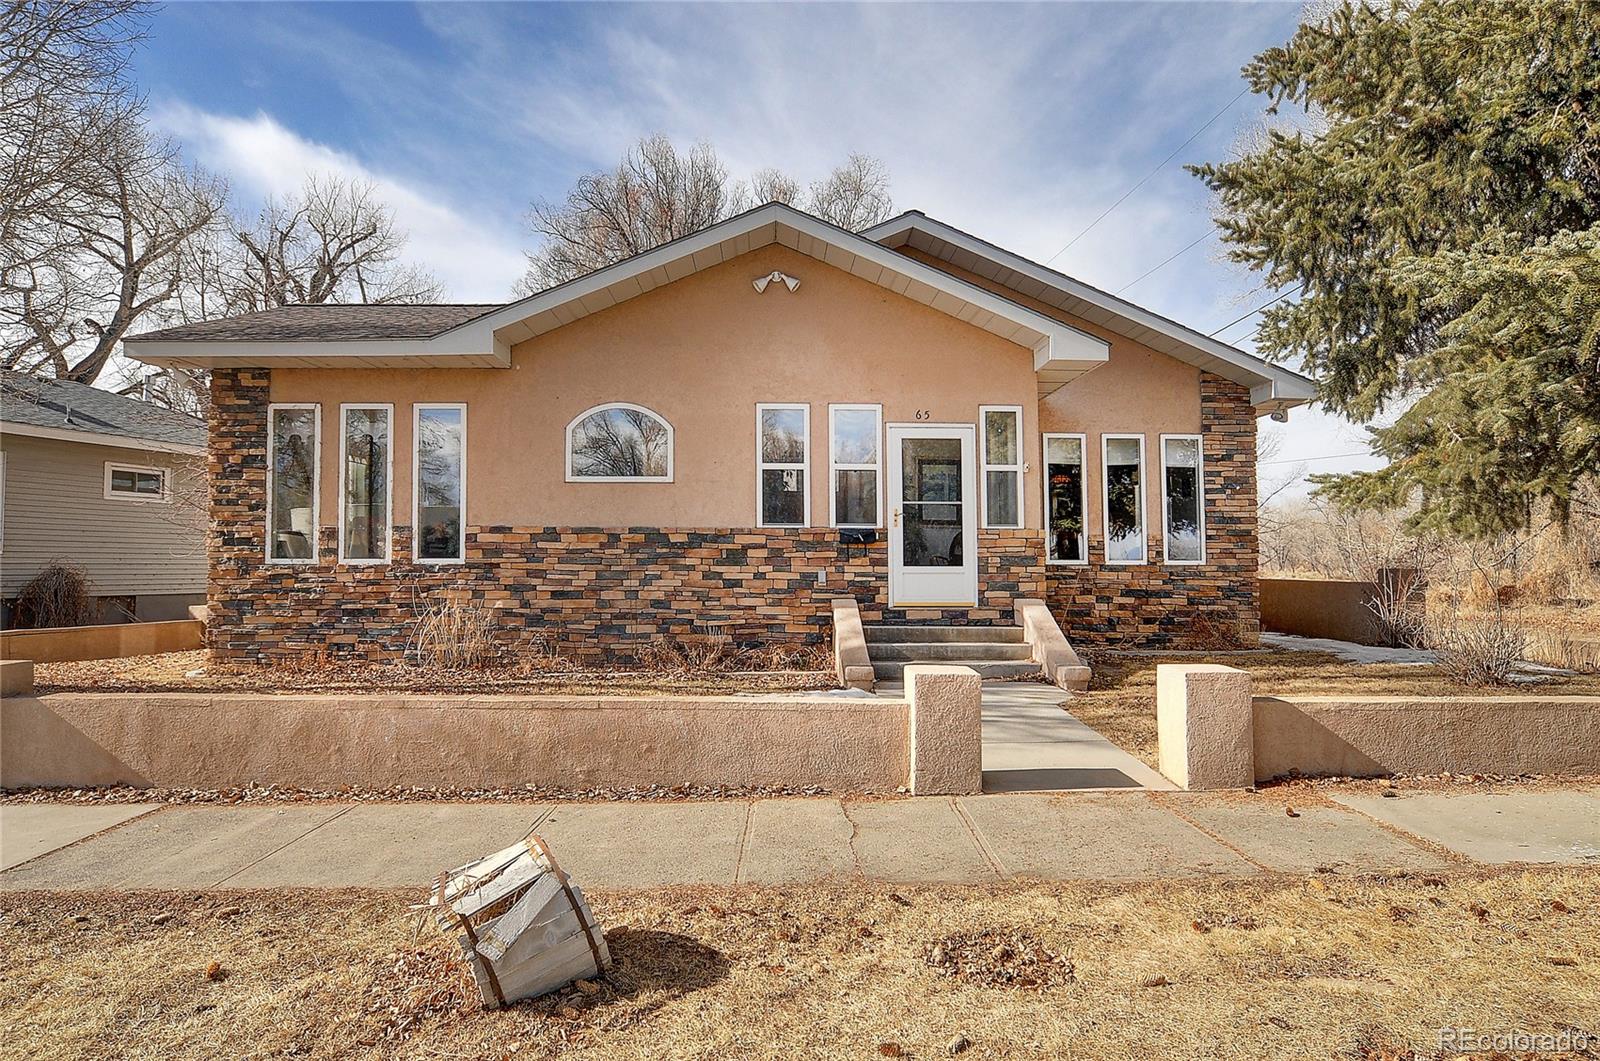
<point x="726" y="433"/>
<point x="107" y="484"/>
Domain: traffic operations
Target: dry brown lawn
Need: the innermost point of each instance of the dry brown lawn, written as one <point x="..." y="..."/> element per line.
<point x="175" y="672"/>
<point x="1279" y="967"/>
<point x="1121" y="702"/>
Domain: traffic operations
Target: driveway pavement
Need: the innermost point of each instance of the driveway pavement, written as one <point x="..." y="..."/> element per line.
<point x="1090" y="835"/>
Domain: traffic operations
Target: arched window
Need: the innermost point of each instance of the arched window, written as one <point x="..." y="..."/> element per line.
<point x="619" y="442"/>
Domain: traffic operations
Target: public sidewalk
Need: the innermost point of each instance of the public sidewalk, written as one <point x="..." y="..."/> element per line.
<point x="972" y="839"/>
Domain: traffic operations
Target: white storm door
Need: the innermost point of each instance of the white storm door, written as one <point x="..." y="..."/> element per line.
<point x="933" y="516"/>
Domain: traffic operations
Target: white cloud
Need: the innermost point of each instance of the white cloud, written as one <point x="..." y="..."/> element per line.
<point x="262" y="158"/>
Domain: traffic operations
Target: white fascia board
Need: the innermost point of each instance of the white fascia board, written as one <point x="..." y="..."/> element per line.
<point x="1288" y="388"/>
<point x="95" y="438"/>
<point x="467" y="341"/>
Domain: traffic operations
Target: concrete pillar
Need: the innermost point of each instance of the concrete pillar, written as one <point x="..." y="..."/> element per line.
<point x="850" y="660"/>
<point x="946" y="730"/>
<point x="1204" y="726"/>
<point x="16" y="677"/>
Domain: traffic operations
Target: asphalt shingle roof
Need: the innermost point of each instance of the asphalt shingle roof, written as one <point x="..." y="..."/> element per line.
<point x="328" y="322"/>
<point x="37" y="402"/>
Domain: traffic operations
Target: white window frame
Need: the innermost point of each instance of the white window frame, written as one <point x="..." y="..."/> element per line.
<point x="576" y="420"/>
<point x="804" y="466"/>
<point x="984" y="467"/>
<point x="1105" y="502"/>
<point x="388" y="478"/>
<point x="834" y="468"/>
<point x="316" y="480"/>
<point x="417" y="409"/>
<point x="1200" y="490"/>
<point x="118" y="495"/>
<point x="1083" y="493"/>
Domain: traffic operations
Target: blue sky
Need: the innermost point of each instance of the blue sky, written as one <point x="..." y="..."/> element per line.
<point x="1019" y="123"/>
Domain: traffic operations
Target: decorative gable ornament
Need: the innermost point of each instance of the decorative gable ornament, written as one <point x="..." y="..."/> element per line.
<point x="760" y="283"/>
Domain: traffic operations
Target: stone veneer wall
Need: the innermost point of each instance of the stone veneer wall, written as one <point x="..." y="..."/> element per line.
<point x="1155" y="605"/>
<point x="586" y="591"/>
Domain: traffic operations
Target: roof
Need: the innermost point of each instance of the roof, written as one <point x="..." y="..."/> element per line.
<point x="481" y="336"/>
<point x="1273" y="386"/>
<point x="55" y="408"/>
<point x="329" y="321"/>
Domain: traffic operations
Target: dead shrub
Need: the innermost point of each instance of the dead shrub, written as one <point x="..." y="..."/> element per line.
<point x="1399" y="606"/>
<point x="454" y="633"/>
<point x="57" y="596"/>
<point x="1213" y="632"/>
<point x="700" y="653"/>
<point x="1477" y="650"/>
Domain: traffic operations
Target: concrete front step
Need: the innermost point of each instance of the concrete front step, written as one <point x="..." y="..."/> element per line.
<point x="894" y="670"/>
<point x="907" y="634"/>
<point x="942" y="651"/>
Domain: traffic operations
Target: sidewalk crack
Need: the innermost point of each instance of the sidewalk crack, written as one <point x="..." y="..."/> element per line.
<point x="744" y="843"/>
<point x="855" y="831"/>
<point x="979" y="841"/>
<point x="286" y="843"/>
<point x="1172" y="808"/>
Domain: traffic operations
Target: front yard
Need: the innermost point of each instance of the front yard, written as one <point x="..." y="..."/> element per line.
<point x="1322" y="966"/>
<point x="1121" y="701"/>
<point x="788" y="671"/>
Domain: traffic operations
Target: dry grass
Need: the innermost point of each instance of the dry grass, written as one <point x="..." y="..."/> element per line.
<point x="1319" y="967"/>
<point x="1121" y="702"/>
<point x="172" y="672"/>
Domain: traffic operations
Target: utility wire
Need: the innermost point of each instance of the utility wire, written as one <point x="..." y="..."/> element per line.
<point x="1147" y="176"/>
<point x="1324" y="457"/>
<point x="1247" y="316"/>
<point x="1192" y="245"/>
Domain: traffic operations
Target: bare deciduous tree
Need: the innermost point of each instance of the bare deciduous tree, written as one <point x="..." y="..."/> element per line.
<point x="335" y="242"/>
<point x="658" y="194"/>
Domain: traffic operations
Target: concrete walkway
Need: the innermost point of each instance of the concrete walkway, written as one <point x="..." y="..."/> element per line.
<point x="974" y="839"/>
<point x="1031" y="743"/>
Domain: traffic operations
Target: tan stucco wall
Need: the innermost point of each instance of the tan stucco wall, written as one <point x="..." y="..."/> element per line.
<point x="1342" y="737"/>
<point x="114" y="641"/>
<point x="701" y="352"/>
<point x="1138" y="391"/>
<point x="212" y="741"/>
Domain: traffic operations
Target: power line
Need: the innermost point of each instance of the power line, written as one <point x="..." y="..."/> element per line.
<point x="1195" y="243"/>
<point x="1147" y="176"/>
<point x="1324" y="457"/>
<point x="1247" y="316"/>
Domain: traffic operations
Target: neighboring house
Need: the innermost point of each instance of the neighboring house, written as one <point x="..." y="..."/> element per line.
<point x="107" y="484"/>
<point x="725" y="433"/>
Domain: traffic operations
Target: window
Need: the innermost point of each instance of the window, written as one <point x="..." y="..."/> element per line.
<point x="1123" y="456"/>
<point x="1183" y="500"/>
<point x="364" y="465"/>
<point x="853" y="463"/>
<point x="1065" y="500"/>
<point x="619" y="443"/>
<point x="439" y="475"/>
<point x="294" y="437"/>
<point x="1002" y="465"/>
<point x="783" y="448"/>
<point x="131" y="482"/>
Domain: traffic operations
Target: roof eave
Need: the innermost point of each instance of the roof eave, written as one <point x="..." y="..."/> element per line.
<point x="99" y="438"/>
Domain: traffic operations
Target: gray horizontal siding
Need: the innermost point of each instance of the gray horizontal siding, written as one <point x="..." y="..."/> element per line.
<point x="56" y="509"/>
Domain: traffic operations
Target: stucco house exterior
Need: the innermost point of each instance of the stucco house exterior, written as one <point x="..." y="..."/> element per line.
<point x="107" y="484"/>
<point x="727" y="433"/>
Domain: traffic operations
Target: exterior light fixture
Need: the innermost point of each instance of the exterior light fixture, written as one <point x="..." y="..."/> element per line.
<point x="760" y="283"/>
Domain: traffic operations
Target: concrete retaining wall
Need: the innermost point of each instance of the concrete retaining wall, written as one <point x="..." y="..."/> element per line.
<point x="1320" y="607"/>
<point x="1376" y="736"/>
<point x="217" y="741"/>
<point x="69" y="643"/>
<point x="1214" y="734"/>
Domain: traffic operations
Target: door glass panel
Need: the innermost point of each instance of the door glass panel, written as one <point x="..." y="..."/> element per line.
<point x="932" y="533"/>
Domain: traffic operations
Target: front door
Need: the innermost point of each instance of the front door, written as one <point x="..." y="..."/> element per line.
<point x="933" y="516"/>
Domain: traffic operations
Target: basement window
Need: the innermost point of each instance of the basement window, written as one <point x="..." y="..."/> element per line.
<point x="132" y="482"/>
<point x="783" y="449"/>
<point x="1183" y="500"/>
<point x="1123" y="457"/>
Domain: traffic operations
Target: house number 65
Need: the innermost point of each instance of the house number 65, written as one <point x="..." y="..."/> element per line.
<point x="922" y="414"/>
